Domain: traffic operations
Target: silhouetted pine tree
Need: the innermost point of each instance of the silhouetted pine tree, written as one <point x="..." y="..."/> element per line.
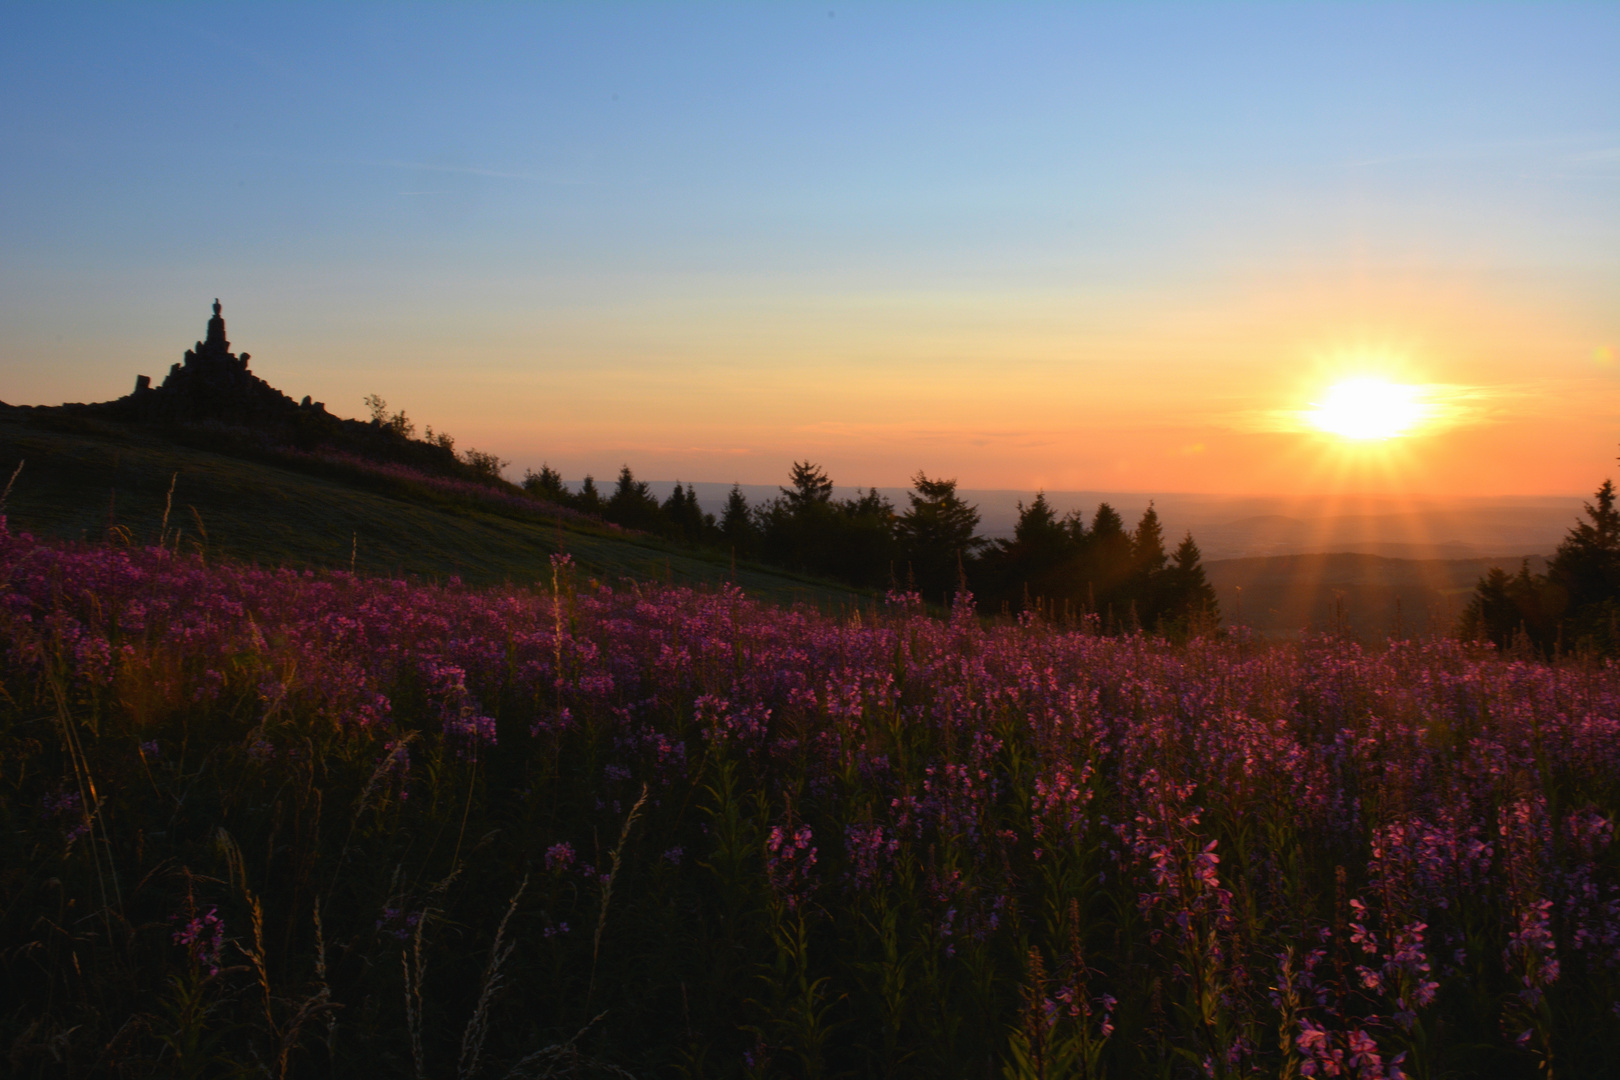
<point x="589" y="498"/>
<point x="547" y="484"/>
<point x="1586" y="569"/>
<point x="812" y="487"/>
<point x="936" y="535"/>
<point x="737" y="528"/>
<point x="1036" y="566"/>
<point x="863" y="546"/>
<point x="1105" y="564"/>
<point x="1190" y="598"/>
<point x="1039" y="536"/>
<point x="1574" y="605"/>
<point x="797" y="527"/>
<point x="1146" y="585"/>
<point x="632" y="505"/>
<point x="684" y="518"/>
<point x="1493" y="613"/>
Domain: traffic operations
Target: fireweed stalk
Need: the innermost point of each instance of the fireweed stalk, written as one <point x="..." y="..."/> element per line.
<point x="953" y="847"/>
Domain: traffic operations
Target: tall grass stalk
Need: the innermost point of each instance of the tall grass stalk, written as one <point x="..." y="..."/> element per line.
<point x="6" y="494"/>
<point x="614" y="863"/>
<point x="472" y="1040"/>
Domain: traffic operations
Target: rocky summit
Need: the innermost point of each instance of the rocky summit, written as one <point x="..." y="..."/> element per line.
<point x="212" y="383"/>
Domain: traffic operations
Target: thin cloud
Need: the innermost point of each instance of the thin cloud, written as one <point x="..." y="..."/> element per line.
<point x="465" y="170"/>
<point x="476" y="170"/>
<point x="898" y="433"/>
<point x="1601" y="164"/>
<point x="1444" y="405"/>
<point x="1501" y="148"/>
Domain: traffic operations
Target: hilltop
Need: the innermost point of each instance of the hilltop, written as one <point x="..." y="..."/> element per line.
<point x="216" y="460"/>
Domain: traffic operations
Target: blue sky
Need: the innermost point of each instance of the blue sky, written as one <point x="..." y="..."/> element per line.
<point x="999" y="241"/>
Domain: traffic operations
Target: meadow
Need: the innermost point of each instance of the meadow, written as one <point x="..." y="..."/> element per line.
<point x="281" y="506"/>
<point x="299" y="822"/>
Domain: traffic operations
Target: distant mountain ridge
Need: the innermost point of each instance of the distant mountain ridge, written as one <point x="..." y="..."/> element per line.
<point x="1232" y="527"/>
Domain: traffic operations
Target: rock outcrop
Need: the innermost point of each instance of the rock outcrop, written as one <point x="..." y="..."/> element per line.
<point x="214" y="384"/>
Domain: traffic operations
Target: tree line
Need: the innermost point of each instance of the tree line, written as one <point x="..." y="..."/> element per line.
<point x="1573" y="607"/>
<point x="1063" y="566"/>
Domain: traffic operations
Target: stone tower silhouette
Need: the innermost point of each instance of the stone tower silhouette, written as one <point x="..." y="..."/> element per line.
<point x="216" y="333"/>
<point x="213" y="383"/>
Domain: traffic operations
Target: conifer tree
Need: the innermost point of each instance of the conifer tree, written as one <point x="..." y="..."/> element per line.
<point x="684" y="517"/>
<point x="872" y="504"/>
<point x="1574" y="605"/>
<point x="1075" y="523"/>
<point x="633" y="505"/>
<point x="1148" y="557"/>
<point x="589" y="498"/>
<point x="1491" y="615"/>
<point x="1146" y="584"/>
<point x="798" y="529"/>
<point x="1109" y="536"/>
<point x="547" y="483"/>
<point x="1106" y="562"/>
<point x="697" y="526"/>
<point x="1587" y="565"/>
<point x="674" y="506"/>
<point x="862" y="549"/>
<point x="738" y="529"/>
<point x="1035" y="566"/>
<point x="1041" y="538"/>
<point x="811" y="487"/>
<point x="1193" y="596"/>
<point x="936" y="534"/>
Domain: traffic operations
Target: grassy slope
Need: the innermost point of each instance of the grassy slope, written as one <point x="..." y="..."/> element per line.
<point x="78" y="482"/>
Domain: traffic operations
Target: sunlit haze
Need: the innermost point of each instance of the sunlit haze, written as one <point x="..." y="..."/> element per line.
<point x="1219" y="249"/>
<point x="1369" y="409"/>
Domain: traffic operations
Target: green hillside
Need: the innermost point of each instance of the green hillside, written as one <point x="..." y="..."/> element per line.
<point x="89" y="480"/>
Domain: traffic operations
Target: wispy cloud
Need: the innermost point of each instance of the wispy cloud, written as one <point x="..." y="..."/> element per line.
<point x="1600" y="164"/>
<point x="1441" y="405"/>
<point x="478" y="170"/>
<point x="902" y="433"/>
<point x="463" y="170"/>
<point x="1560" y="148"/>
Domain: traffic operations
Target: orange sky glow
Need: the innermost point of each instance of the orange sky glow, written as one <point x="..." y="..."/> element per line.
<point x="1099" y="248"/>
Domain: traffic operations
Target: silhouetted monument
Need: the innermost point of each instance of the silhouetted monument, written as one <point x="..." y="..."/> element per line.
<point x="211" y="399"/>
<point x="213" y="383"/>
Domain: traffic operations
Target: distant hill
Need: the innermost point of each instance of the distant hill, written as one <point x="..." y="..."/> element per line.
<point x="1230" y="526"/>
<point x="1368" y="596"/>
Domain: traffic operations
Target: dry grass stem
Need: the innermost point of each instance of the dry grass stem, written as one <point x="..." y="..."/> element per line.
<point x="607" y="887"/>
<point x="415" y="968"/>
<point x="564" y="1059"/>
<point x="472" y="1040"/>
<point x="168" y="504"/>
<point x="4" y="495"/>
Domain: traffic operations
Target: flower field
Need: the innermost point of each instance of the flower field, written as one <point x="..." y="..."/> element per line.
<point x="264" y="822"/>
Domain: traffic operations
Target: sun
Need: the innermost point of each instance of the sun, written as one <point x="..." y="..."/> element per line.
<point x="1367" y="409"/>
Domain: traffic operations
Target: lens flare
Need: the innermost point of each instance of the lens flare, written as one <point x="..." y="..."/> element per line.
<point x="1366" y="409"/>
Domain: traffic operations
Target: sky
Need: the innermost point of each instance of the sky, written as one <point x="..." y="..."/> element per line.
<point x="1118" y="247"/>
